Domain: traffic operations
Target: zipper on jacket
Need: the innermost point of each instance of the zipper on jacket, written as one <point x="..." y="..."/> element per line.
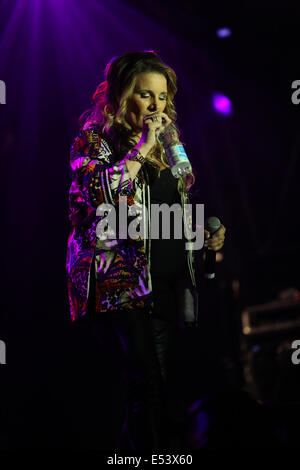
<point x="184" y="199"/>
<point x="149" y="226"/>
<point x="147" y="230"/>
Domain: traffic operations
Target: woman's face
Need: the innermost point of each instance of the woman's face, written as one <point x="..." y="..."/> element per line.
<point x="149" y="96"/>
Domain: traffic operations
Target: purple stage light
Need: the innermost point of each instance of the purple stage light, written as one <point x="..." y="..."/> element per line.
<point x="223" y="32"/>
<point x="222" y="104"/>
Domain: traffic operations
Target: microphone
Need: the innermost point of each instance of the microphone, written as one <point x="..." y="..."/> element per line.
<point x="212" y="224"/>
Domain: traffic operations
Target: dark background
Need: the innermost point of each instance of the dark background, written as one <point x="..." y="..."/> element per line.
<point x="53" y="54"/>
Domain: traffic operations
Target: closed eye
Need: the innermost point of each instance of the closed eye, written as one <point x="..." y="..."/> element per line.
<point x="146" y="95"/>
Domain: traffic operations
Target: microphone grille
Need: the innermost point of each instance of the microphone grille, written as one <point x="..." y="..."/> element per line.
<point x="212" y="224"/>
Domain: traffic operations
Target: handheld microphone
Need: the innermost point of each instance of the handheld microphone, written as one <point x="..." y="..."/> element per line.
<point x="212" y="224"/>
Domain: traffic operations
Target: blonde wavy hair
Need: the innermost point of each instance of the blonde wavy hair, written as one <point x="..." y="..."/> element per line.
<point x="110" y="101"/>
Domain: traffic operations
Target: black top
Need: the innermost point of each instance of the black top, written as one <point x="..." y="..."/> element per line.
<point x="168" y="256"/>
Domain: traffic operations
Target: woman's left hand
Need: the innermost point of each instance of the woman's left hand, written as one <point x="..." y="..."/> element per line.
<point x="216" y="242"/>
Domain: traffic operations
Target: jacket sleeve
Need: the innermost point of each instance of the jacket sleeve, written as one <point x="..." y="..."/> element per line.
<point x="95" y="178"/>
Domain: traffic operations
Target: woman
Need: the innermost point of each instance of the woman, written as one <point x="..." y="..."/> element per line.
<point x="132" y="290"/>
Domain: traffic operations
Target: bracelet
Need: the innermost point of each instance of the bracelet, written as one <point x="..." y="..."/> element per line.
<point x="135" y="155"/>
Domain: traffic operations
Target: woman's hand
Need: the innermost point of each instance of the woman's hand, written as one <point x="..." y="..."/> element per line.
<point x="152" y="126"/>
<point x="216" y="242"/>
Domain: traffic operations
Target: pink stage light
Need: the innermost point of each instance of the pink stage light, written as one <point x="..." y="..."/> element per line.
<point x="222" y="104"/>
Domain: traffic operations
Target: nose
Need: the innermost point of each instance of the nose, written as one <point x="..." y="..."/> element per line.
<point x="154" y="104"/>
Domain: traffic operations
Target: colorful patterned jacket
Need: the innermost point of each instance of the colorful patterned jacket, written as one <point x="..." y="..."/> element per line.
<point x="98" y="176"/>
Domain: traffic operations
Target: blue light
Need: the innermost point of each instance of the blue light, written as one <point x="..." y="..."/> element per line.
<point x="223" y="32"/>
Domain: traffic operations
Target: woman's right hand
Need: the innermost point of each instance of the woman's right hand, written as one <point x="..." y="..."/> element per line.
<point x="152" y="125"/>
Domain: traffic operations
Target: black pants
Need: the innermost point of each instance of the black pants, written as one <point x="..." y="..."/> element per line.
<point x="140" y="350"/>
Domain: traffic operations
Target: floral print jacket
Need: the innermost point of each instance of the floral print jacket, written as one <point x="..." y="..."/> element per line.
<point x="123" y="265"/>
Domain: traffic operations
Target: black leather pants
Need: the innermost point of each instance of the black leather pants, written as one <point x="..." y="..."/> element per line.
<point x="140" y="348"/>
